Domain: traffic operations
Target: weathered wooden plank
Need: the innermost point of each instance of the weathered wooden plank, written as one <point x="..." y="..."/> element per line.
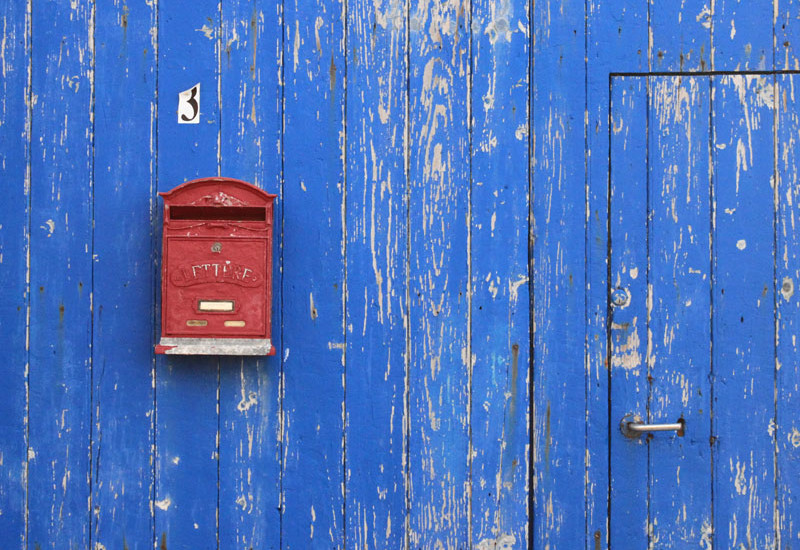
<point x="500" y="315"/>
<point x="251" y="120"/>
<point x="122" y="337"/>
<point x="679" y="468"/>
<point x="678" y="353"/>
<point x="628" y="324"/>
<point x="187" y="423"/>
<point x="786" y="26"/>
<point x="743" y="306"/>
<point x="559" y="289"/>
<point x="314" y="275"/>
<point x="743" y="34"/>
<point x="61" y="276"/>
<point x="617" y="41"/>
<point x="439" y="275"/>
<point x="377" y="204"/>
<point x="15" y="65"/>
<point x="787" y="432"/>
<point x="680" y="36"/>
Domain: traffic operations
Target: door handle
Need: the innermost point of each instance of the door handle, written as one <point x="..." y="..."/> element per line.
<point x="632" y="426"/>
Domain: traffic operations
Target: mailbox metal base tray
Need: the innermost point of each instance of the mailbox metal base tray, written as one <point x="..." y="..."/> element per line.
<point x="215" y="346"/>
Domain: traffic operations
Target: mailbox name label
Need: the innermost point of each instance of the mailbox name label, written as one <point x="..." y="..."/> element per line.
<point x="215" y="272"/>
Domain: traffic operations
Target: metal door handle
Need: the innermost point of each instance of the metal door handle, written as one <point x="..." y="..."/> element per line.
<point x="633" y="426"/>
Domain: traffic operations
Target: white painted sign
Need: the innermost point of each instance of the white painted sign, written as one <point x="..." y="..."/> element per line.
<point x="189" y="105"/>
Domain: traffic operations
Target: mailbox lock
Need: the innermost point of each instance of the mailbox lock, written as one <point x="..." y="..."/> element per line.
<point x="216" y="248"/>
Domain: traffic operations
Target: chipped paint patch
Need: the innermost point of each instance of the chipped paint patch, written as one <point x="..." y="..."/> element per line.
<point x="502" y="542"/>
<point x="247" y="401"/>
<point x="513" y="288"/>
<point x="795" y="438"/>
<point x="164" y="504"/>
<point x="704" y="17"/>
<point x="626" y="354"/>
<point x="787" y="288"/>
<point x="311" y="307"/>
<point x="207" y="31"/>
<point x="706" y="535"/>
<point x="740" y="481"/>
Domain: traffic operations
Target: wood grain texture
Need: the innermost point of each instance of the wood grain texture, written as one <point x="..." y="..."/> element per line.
<point x="786" y="26"/>
<point x="443" y="179"/>
<point x="680" y="36"/>
<point x="377" y="275"/>
<point x="559" y="275"/>
<point x="440" y="357"/>
<point x="500" y="315"/>
<point x="61" y="277"/>
<point x="744" y="302"/>
<point x="629" y="321"/>
<point x="250" y="150"/>
<point x="124" y="281"/>
<point x="313" y="275"/>
<point x="787" y="275"/>
<point x="678" y="352"/>
<point x="617" y="40"/>
<point x="187" y="399"/>
<point x="743" y="34"/>
<point x="15" y="65"/>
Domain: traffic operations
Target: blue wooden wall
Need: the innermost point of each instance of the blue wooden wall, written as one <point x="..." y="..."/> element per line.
<point x="463" y="186"/>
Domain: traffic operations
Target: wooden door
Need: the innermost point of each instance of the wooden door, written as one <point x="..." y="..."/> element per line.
<point x="701" y="267"/>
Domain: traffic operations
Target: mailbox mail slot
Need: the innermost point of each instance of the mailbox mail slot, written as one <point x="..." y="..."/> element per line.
<point x="216" y="273"/>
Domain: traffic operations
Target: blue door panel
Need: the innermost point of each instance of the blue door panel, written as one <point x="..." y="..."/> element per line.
<point x="694" y="212"/>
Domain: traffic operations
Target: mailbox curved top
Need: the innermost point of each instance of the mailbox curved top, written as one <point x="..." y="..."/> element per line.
<point x="217" y="192"/>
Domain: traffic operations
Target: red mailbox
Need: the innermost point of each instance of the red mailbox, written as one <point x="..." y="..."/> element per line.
<point x="216" y="273"/>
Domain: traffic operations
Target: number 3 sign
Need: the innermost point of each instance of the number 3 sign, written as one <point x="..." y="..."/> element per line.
<point x="189" y="105"/>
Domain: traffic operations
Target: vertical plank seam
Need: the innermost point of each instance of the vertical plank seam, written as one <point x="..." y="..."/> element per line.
<point x="587" y="484"/>
<point x="650" y="40"/>
<point x="92" y="416"/>
<point x="28" y="179"/>
<point x="711" y="35"/>
<point x="530" y="272"/>
<point x="649" y="293"/>
<point x="281" y="5"/>
<point x="711" y="214"/>
<point x="712" y="222"/>
<point x="154" y="268"/>
<point x="775" y="366"/>
<point x="470" y="76"/>
<point x="282" y="358"/>
<point x="407" y="309"/>
<point x="776" y="328"/>
<point x="609" y="124"/>
<point x="343" y="148"/>
<point x="218" y="450"/>
<point x="712" y="277"/>
<point x="531" y="278"/>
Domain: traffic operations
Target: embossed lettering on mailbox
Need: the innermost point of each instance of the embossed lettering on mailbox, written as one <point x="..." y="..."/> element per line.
<point x="216" y="277"/>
